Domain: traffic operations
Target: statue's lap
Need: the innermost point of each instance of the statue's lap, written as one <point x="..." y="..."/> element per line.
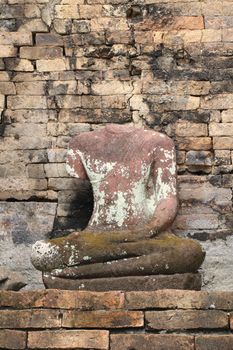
<point x="89" y="254"/>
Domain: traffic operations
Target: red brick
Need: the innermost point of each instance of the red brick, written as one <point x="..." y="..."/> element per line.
<point x="214" y="342"/>
<point x="186" y="319"/>
<point x="69" y="339"/>
<point x="174" y="23"/>
<point x="151" y="341"/>
<point x="222" y="142"/>
<point x="102" y="319"/>
<point x="194" y="143"/>
<point x="34" y="53"/>
<point x="11" y="339"/>
<point x="82" y="300"/>
<point x="29" y="319"/>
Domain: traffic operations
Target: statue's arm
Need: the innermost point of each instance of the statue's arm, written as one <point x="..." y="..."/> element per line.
<point x="74" y="162"/>
<point x="164" y="179"/>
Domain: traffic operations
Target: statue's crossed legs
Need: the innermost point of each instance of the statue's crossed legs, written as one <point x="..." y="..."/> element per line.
<point x="88" y="254"/>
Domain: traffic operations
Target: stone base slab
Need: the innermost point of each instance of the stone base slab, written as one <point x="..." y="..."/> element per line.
<point x="187" y="281"/>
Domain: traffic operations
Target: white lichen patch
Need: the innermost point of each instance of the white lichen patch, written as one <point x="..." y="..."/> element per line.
<point x="163" y="190"/>
<point x="118" y="211"/>
<point x="86" y="258"/>
<point x="73" y="259"/>
<point x="71" y="153"/>
<point x="71" y="171"/>
<point x="44" y="256"/>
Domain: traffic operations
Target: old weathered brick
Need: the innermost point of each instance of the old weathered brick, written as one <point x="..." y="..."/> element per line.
<point x="222" y="157"/>
<point x="89" y="11"/>
<point x="67" y="11"/>
<point x="151" y="341"/>
<point x="38" y="130"/>
<point x="8" y="51"/>
<point x="69" y="129"/>
<point x="104" y="23"/>
<point x="62" y="26"/>
<point x="81" y="26"/>
<point x="56" y="299"/>
<point x="196" y="221"/>
<point x="180" y="157"/>
<point x="186" y="319"/>
<point x="176" y="23"/>
<point x="221" y="129"/>
<point x="11" y="11"/>
<point x="4" y="76"/>
<point x="91" y="101"/>
<point x="55" y="170"/>
<point x="211" y="35"/>
<point x="22" y="184"/>
<point x="45" y="53"/>
<point x="118" y="102"/>
<point x="194" y="143"/>
<point x="213" y="342"/>
<point x="26" y="102"/>
<point x="27" y="115"/>
<point x="7" y="88"/>
<point x="63" y="184"/>
<point x="222" y="143"/>
<point x="100" y="115"/>
<point x="31" y="11"/>
<point x="112" y="88"/>
<point x="34" y="25"/>
<point x="202" y="158"/>
<point x="69" y="101"/>
<point x="215" y="117"/>
<point x="57" y="155"/>
<point x="227" y="35"/>
<point x="11" y="339"/>
<point x="15" y="38"/>
<point x="170" y="299"/>
<point x="102" y="319"/>
<point x="30" y="319"/>
<point x="118" y="36"/>
<point x="187" y="129"/>
<point x="36" y="171"/>
<point x="228" y="180"/>
<point x="194" y="88"/>
<point x="26" y="143"/>
<point x="19" y="65"/>
<point x="227" y="116"/>
<point x="57" y="64"/>
<point x="49" y="39"/>
<point x="69" y="339"/>
<point x="31" y="88"/>
<point x="63" y="88"/>
<point x="221" y="101"/>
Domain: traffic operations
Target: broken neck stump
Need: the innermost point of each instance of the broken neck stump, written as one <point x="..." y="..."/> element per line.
<point x="126" y="245"/>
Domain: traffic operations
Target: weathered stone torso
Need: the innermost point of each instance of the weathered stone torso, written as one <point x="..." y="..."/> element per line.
<point x="126" y="169"/>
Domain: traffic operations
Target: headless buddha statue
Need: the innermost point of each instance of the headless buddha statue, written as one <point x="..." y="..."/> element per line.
<point x="133" y="175"/>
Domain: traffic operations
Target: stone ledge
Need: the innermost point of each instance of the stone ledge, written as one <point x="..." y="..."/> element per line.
<point x="184" y="281"/>
<point x="116" y="320"/>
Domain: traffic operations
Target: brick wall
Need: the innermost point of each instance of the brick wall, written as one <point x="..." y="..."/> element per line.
<point x="68" y="66"/>
<point x="168" y="319"/>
